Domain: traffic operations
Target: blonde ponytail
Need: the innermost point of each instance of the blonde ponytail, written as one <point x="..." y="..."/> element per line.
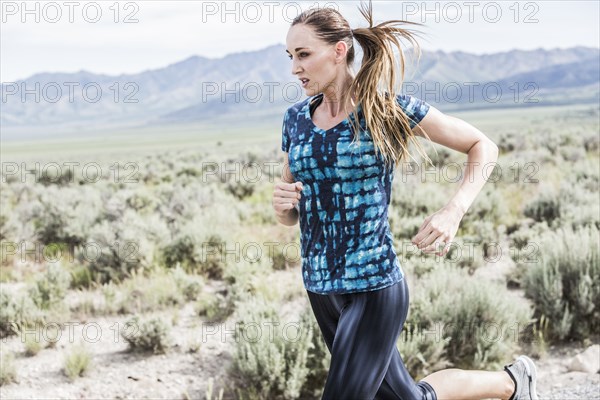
<point x="374" y="85"/>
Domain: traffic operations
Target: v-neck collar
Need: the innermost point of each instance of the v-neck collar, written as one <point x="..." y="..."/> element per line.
<point x="318" y="98"/>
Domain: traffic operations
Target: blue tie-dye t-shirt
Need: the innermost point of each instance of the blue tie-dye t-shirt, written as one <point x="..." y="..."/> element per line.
<point x="346" y="244"/>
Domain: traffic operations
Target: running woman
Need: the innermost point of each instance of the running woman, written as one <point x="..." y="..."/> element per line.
<point x="337" y="186"/>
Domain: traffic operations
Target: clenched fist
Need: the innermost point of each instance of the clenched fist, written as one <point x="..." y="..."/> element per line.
<point x="286" y="196"/>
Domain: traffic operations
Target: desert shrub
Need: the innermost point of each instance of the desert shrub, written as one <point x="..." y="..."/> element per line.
<point x="154" y="290"/>
<point x="466" y="252"/>
<point x="17" y="313"/>
<point x="215" y="307"/>
<point x="8" y="370"/>
<point x="591" y="143"/>
<point x="482" y="325"/>
<point x="545" y="206"/>
<point x="141" y="200"/>
<point x="203" y="255"/>
<point x="64" y="215"/>
<point x="270" y="363"/>
<point x="122" y="246"/>
<point x="413" y="198"/>
<point x="148" y="336"/>
<point x="490" y="206"/>
<point x="527" y="233"/>
<point x="585" y="174"/>
<point x="510" y="141"/>
<point x="33" y="344"/>
<point x="572" y="154"/>
<point x="181" y="252"/>
<point x="257" y="209"/>
<point x="240" y="189"/>
<point x="580" y="206"/>
<point x="564" y="282"/>
<point x="179" y="205"/>
<point x="54" y="177"/>
<point x="190" y="286"/>
<point x="486" y="238"/>
<point x="422" y="354"/>
<point x="51" y="288"/>
<point x="189" y="171"/>
<point x="285" y="253"/>
<point x="212" y="264"/>
<point x="81" y="277"/>
<point x="149" y="290"/>
<point x="200" y="242"/>
<point x="9" y="223"/>
<point x="318" y="359"/>
<point x="77" y="362"/>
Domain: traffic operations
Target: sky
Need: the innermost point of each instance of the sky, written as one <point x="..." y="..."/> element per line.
<point x="110" y="37"/>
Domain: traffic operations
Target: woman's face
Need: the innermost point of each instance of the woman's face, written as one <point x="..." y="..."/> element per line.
<point x="312" y="59"/>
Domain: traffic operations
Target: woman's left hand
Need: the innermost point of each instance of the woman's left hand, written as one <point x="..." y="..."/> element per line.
<point x="438" y="230"/>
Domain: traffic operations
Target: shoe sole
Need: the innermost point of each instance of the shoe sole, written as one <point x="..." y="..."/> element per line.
<point x="532" y="372"/>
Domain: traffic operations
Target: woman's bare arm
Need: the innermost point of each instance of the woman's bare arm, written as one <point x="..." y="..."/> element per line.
<point x="459" y="135"/>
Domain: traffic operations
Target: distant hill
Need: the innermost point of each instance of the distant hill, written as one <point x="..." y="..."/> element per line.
<point x="252" y="86"/>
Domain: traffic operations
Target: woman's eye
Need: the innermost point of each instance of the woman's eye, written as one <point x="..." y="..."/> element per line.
<point x="301" y="55"/>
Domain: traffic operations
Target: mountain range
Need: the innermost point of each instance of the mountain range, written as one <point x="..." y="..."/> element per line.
<point x="254" y="86"/>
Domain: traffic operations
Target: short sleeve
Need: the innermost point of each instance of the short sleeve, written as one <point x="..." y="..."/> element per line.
<point x="285" y="137"/>
<point x="413" y="107"/>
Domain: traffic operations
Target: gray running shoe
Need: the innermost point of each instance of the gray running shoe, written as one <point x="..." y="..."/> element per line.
<point x="524" y="373"/>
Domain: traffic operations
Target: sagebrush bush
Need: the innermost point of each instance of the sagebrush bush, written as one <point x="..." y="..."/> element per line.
<point x="8" y="370"/>
<point x="544" y="207"/>
<point x="212" y="261"/>
<point x="525" y="234"/>
<point x="215" y="307"/>
<point x="18" y="313"/>
<point x="141" y="200"/>
<point x="201" y="243"/>
<point x="482" y="322"/>
<point x="64" y="215"/>
<point x="490" y="206"/>
<point x="319" y="357"/>
<point x="124" y="245"/>
<point x="33" y="344"/>
<point x="148" y="336"/>
<point x="413" y="198"/>
<point x="510" y="141"/>
<point x="485" y="239"/>
<point x="272" y="363"/>
<point x="50" y="288"/>
<point x="154" y="289"/>
<point x="180" y="252"/>
<point x="285" y="253"/>
<point x="77" y="362"/>
<point x="422" y="354"/>
<point x="190" y="286"/>
<point x="81" y="277"/>
<point x="240" y="189"/>
<point x="580" y="205"/>
<point x="564" y="282"/>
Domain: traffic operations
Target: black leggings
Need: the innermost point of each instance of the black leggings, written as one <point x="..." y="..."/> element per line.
<point x="361" y="330"/>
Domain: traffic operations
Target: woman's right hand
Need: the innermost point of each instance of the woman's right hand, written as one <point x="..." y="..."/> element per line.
<point x="286" y="196"/>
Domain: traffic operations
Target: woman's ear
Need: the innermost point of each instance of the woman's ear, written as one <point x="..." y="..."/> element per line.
<point x="341" y="50"/>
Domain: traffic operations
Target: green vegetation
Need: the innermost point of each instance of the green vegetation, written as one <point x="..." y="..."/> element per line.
<point x="191" y="224"/>
<point x="77" y="362"/>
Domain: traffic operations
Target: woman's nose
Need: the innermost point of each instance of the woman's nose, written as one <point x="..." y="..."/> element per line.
<point x="295" y="68"/>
